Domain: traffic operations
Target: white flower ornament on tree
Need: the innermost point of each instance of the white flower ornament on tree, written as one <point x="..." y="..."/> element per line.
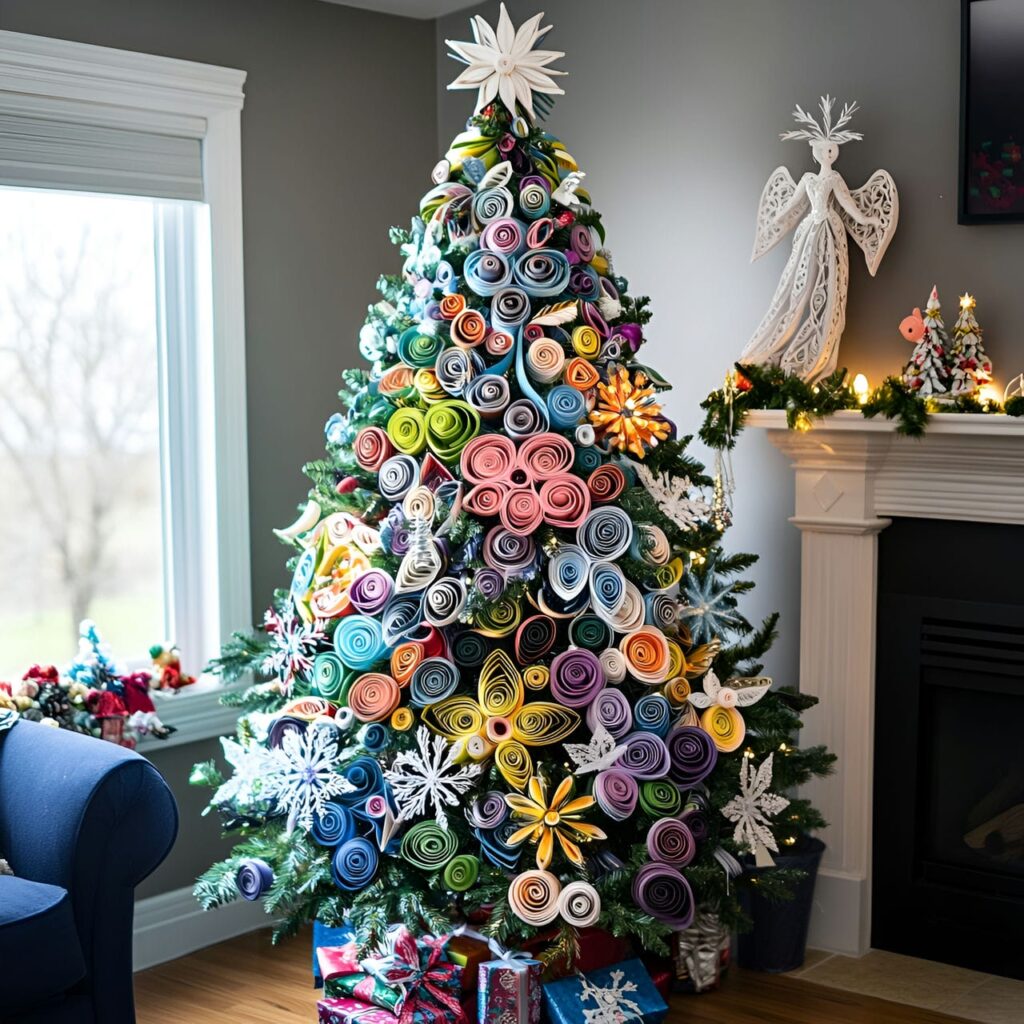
<point x="739" y="692"/>
<point x="503" y="63"/>
<point x="753" y="809"/>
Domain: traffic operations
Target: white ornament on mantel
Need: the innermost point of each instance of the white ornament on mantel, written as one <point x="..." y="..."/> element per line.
<point x="803" y="325"/>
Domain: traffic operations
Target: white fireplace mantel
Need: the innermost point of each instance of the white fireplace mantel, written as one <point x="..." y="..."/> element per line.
<point x="852" y="477"/>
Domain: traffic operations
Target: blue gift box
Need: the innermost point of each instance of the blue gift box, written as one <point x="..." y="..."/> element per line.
<point x="624" y="991"/>
<point x="324" y="935"/>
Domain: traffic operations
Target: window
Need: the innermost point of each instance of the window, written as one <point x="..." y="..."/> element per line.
<point x="123" y="487"/>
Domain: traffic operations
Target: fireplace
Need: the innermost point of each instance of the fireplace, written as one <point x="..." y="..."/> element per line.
<point x="946" y="604"/>
<point x="948" y="850"/>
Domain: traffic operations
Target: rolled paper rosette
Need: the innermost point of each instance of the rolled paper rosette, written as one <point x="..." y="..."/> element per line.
<point x="661" y="891"/>
<point x="581" y="241"/>
<point x="308" y="708"/>
<point x="521" y="511"/>
<point x="370" y="591"/>
<point x="542" y="273"/>
<point x="677" y="691"/>
<point x="534" y="196"/>
<point x="354" y="864"/>
<point x="566" y="501"/>
<point x="461" y="873"/>
<point x="606" y="533"/>
<point x="253" y="878"/>
<point x="372" y="447"/>
<point x="487" y="457"/>
<point x="586" y="342"/>
<point x="494" y="846"/>
<point x="652" y="713"/>
<point x="376" y="737"/>
<point x="396" y="381"/>
<point x="579" y="374"/>
<point x="545" y="360"/>
<point x="444" y="601"/>
<point x="468" y="329"/>
<point x="451" y="305"/>
<point x="533" y="897"/>
<point x="566" y="406"/>
<point x="469" y="650"/>
<point x="402" y="719"/>
<point x="725" y="726"/>
<point x="534" y="638"/>
<point x="607" y="588"/>
<point x="487" y="272"/>
<point x="359" y="641"/>
<point x="491" y="204"/>
<point x="576" y="677"/>
<point x="499" y="343"/>
<point x="660" y="798"/>
<point x="328" y="675"/>
<point x="284" y="725"/>
<point x="408" y="431"/>
<point x="590" y="632"/>
<point x="418" y="349"/>
<point x="455" y="368"/>
<point x="579" y="905"/>
<point x="545" y="455"/>
<point x="499" y="618"/>
<point x="489" y="395"/>
<point x="448" y="427"/>
<point x="522" y="419"/>
<point x="697" y="822"/>
<point x="593" y="318"/>
<point x="693" y="755"/>
<point x="428" y="847"/>
<point x="509" y="553"/>
<point x="419" y="504"/>
<point x="611" y="709"/>
<point x="397" y="476"/>
<point x="586" y="460"/>
<point x="671" y="842"/>
<point x="536" y="677"/>
<point x="646" y="757"/>
<point x="584" y="282"/>
<point x="333" y="825"/>
<point x="647" y="655"/>
<point x="505" y="235"/>
<point x="616" y="792"/>
<point x="488" y="811"/>
<point x="568" y="571"/>
<point x="510" y="309"/>
<point x="428" y="386"/>
<point x="606" y="483"/>
<point x="373" y="696"/>
<point x="472" y="144"/>
<point x="540" y="233"/>
<point x="399" y="620"/>
<point x="613" y="661"/>
<point x="489" y="584"/>
<point x="513" y="760"/>
<point x="630" y="616"/>
<point x="404" y="659"/>
<point x="661" y="612"/>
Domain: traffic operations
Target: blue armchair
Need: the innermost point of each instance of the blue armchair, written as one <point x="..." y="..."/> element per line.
<point x="82" y="822"/>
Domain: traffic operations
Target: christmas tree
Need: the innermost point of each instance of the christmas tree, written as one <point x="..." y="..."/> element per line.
<point x="929" y="371"/>
<point x="510" y="677"/>
<point x="971" y="367"/>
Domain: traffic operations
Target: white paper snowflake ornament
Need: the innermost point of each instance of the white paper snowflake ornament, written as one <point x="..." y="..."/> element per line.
<point x="753" y="809"/>
<point x="615" y="1004"/>
<point x="503" y="63"/>
<point x="672" y="495"/>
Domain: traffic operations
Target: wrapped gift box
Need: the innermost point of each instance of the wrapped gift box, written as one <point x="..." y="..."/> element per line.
<point x="351" y="1011"/>
<point x="469" y="954"/>
<point x="325" y="935"/>
<point x="509" y="990"/>
<point x="623" y="991"/>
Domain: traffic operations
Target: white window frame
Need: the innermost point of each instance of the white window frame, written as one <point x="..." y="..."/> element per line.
<point x="206" y="487"/>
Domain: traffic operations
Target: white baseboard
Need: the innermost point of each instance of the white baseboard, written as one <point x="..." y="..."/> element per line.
<point x="173" y="924"/>
<point x="841" y="917"/>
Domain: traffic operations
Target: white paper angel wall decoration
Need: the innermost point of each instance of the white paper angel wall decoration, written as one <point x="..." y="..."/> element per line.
<point x="801" y="330"/>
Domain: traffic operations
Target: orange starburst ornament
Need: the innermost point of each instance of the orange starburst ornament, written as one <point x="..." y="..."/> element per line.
<point x="627" y="413"/>
<point x="559" y="819"/>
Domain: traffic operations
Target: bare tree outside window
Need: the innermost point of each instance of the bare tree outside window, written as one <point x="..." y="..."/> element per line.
<point x="80" y="510"/>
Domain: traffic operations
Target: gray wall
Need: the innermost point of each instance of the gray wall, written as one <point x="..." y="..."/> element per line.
<point x="325" y="172"/>
<point x="674" y="109"/>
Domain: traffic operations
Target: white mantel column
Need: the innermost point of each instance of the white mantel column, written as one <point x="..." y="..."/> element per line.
<point x="839" y="549"/>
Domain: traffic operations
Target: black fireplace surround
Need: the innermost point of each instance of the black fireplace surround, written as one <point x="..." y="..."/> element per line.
<point x="948" y="848"/>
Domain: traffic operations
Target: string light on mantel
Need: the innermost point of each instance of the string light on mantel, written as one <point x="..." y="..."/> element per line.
<point x="861" y="388"/>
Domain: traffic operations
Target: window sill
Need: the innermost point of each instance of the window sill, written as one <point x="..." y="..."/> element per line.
<point x="195" y="712"/>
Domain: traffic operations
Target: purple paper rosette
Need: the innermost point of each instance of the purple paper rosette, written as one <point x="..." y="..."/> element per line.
<point x="370" y="591"/>
<point x="646" y="756"/>
<point x="693" y="755"/>
<point x="671" y="842"/>
<point x="576" y="677"/>
<point x="488" y="811"/>
<point x="661" y="891"/>
<point x="611" y="709"/>
<point x="616" y="792"/>
<point x="253" y="878"/>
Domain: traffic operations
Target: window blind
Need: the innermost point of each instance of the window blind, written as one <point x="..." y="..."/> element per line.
<point x="46" y="153"/>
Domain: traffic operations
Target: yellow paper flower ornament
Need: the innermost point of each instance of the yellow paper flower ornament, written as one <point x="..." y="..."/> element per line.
<point x="626" y="413"/>
<point x="547" y="821"/>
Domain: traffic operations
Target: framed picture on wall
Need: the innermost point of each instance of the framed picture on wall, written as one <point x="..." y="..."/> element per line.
<point x="992" y="112"/>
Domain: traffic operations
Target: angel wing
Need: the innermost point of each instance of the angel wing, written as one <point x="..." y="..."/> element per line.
<point x="878" y="199"/>
<point x="774" y="220"/>
<point x="749" y="689"/>
<point x="601" y="752"/>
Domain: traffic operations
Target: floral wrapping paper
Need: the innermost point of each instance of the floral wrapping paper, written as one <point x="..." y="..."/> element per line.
<point x="509" y="992"/>
<point x="344" y="1010"/>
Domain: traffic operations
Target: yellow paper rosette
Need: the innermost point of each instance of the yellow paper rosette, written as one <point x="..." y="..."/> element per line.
<point x="472" y="143"/>
<point x="586" y="342"/>
<point x="499" y="618"/>
<point x="408" y="431"/>
<point x="725" y="726"/>
<point x="677" y="691"/>
<point x="402" y="719"/>
<point x="535" y="677"/>
<point x="513" y="760"/>
<point x="448" y="427"/>
<point x="427" y="385"/>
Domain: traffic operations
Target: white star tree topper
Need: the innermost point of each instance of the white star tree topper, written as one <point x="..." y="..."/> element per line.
<point x="752" y="810"/>
<point x="429" y="775"/>
<point x="503" y="63"/>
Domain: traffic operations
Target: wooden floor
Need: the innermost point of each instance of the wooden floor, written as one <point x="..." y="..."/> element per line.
<point x="246" y="981"/>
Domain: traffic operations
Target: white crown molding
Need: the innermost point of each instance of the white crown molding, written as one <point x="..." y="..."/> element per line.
<point x="852" y="476"/>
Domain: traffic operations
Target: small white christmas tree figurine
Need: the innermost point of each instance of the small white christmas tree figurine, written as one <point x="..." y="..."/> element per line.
<point x="928" y="371"/>
<point x="971" y="366"/>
